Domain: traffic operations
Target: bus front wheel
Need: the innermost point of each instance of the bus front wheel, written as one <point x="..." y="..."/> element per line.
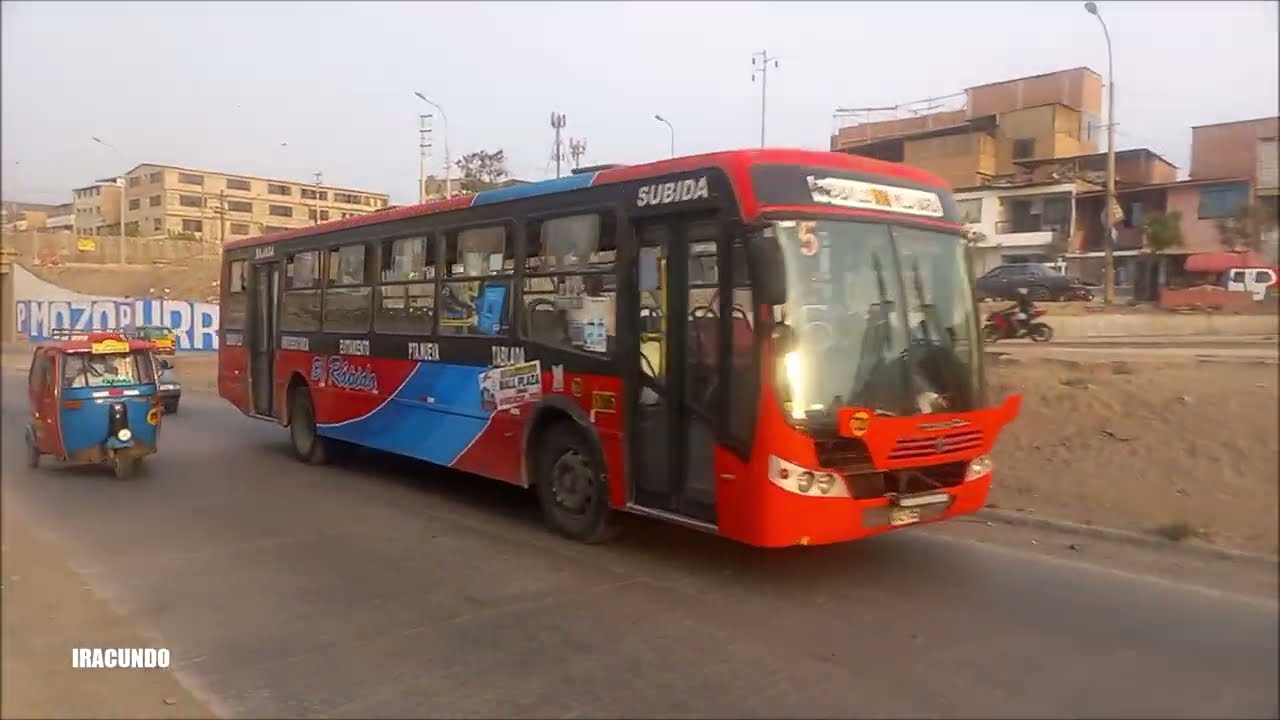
<point x="307" y="443"/>
<point x="571" y="486"/>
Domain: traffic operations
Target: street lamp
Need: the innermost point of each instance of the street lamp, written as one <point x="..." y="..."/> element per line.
<point x="661" y="119"/>
<point x="448" y="174"/>
<point x="120" y="180"/>
<point x="1108" y="224"/>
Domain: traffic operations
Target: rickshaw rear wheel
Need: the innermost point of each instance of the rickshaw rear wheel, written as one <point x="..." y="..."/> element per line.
<point x="125" y="464"/>
<point x="33" y="455"/>
<point x="307" y="443"/>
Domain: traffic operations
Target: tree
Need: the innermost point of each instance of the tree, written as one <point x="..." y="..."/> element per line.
<point x="1162" y="232"/>
<point x="482" y="170"/>
<point x="1245" y="229"/>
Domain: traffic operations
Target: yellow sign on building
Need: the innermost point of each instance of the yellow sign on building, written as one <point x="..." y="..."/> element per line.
<point x="86" y="244"/>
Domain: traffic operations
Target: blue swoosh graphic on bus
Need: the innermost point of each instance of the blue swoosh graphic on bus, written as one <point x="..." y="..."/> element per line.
<point x="436" y="431"/>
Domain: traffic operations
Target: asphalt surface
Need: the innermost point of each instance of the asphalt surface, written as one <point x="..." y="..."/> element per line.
<point x="1248" y="349"/>
<point x="394" y="590"/>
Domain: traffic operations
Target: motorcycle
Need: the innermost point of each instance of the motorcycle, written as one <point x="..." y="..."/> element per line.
<point x="999" y="326"/>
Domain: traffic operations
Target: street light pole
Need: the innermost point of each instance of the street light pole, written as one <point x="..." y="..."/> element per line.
<point x="120" y="180"/>
<point x="661" y="119"/>
<point x="448" y="169"/>
<point x="760" y="61"/>
<point x="1109" y="225"/>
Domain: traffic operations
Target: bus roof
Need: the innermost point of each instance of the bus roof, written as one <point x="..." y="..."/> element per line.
<point x="733" y="162"/>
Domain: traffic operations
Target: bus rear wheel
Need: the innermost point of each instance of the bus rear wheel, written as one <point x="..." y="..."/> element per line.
<point x="308" y="446"/>
<point x="571" y="486"/>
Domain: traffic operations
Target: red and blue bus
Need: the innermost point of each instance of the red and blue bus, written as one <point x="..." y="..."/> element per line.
<point x="778" y="346"/>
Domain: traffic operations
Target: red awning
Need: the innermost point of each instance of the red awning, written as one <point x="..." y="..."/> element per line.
<point x="1218" y="262"/>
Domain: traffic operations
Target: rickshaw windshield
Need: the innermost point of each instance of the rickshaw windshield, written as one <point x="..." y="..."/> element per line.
<point x="85" y="370"/>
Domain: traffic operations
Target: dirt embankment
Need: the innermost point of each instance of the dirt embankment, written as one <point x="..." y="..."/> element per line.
<point x="191" y="279"/>
<point x="1180" y="449"/>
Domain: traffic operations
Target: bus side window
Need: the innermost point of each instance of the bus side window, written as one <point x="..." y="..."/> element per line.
<point x="347" y="294"/>
<point x="475" y="294"/>
<point x="407" y="294"/>
<point x="569" y="298"/>
<point x="235" y="307"/>
<point x="300" y="301"/>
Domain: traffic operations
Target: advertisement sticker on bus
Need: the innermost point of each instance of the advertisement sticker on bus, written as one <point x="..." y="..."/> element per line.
<point x="862" y="195"/>
<point x="503" y="388"/>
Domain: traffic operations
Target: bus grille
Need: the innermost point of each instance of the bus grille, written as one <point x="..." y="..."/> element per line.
<point x="846" y="456"/>
<point x="923" y="446"/>
<point x="869" y="485"/>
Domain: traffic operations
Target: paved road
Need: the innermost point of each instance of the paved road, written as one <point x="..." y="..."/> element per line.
<point x="1250" y="349"/>
<point x="394" y="591"/>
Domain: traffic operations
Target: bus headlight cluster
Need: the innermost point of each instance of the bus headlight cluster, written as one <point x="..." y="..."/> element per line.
<point x="979" y="466"/>
<point x="803" y="481"/>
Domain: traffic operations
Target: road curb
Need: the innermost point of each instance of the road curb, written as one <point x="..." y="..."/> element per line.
<point x="1128" y="537"/>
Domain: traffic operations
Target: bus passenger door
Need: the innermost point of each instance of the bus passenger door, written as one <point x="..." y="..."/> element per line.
<point x="265" y="288"/>
<point x="672" y="445"/>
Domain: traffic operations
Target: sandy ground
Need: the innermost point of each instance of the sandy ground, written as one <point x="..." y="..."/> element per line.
<point x="1168" y="447"/>
<point x="47" y="610"/>
<point x="1174" y="447"/>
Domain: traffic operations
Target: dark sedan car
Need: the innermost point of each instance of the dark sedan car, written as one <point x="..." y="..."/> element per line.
<point x="168" y="387"/>
<point x="1042" y="283"/>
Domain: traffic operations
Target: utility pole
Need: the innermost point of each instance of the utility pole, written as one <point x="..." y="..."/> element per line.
<point x="557" y="150"/>
<point x="222" y="219"/>
<point x="577" y="148"/>
<point x="448" y="167"/>
<point x="424" y="151"/>
<point x="319" y="176"/>
<point x="123" y="204"/>
<point x="760" y="65"/>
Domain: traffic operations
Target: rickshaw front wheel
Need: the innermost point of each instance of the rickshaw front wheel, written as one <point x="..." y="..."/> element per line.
<point x="125" y="465"/>
<point x="33" y="454"/>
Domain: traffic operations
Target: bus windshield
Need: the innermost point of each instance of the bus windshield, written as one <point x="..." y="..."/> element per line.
<point x="880" y="317"/>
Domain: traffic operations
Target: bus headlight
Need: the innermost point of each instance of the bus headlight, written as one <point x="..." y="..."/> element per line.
<point x="793" y="365"/>
<point x="979" y="466"/>
<point x="803" y="481"/>
<point x="124" y="434"/>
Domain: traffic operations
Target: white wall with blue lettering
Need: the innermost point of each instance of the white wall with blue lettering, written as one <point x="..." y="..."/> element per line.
<point x="43" y="306"/>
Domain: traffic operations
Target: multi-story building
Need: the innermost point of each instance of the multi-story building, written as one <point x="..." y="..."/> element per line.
<point x="218" y="207"/>
<point x="96" y="209"/>
<point x="1244" y="149"/>
<point x="35" y="216"/>
<point x="1001" y="127"/>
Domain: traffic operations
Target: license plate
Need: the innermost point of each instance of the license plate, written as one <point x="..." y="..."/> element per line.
<point x="903" y="516"/>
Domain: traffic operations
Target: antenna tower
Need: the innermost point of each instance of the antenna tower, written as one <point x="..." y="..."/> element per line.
<point x="577" y="148"/>
<point x="557" y="150"/>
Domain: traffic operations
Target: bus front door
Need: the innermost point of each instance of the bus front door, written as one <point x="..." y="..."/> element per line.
<point x="265" y="286"/>
<point x="671" y="400"/>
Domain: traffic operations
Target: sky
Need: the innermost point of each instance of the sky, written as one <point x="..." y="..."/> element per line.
<point x="288" y="89"/>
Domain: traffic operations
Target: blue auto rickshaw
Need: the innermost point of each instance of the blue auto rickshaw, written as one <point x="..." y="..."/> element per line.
<point x="93" y="399"/>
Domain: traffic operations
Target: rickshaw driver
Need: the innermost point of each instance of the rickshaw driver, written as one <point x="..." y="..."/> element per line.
<point x="103" y="369"/>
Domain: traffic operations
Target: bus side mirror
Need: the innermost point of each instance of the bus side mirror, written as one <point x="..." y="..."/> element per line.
<point x="769" y="284"/>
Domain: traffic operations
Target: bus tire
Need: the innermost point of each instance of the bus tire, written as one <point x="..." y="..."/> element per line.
<point x="571" y="485"/>
<point x="307" y="444"/>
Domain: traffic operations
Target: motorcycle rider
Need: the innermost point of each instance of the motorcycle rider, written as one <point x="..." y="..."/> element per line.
<point x="1020" y="312"/>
